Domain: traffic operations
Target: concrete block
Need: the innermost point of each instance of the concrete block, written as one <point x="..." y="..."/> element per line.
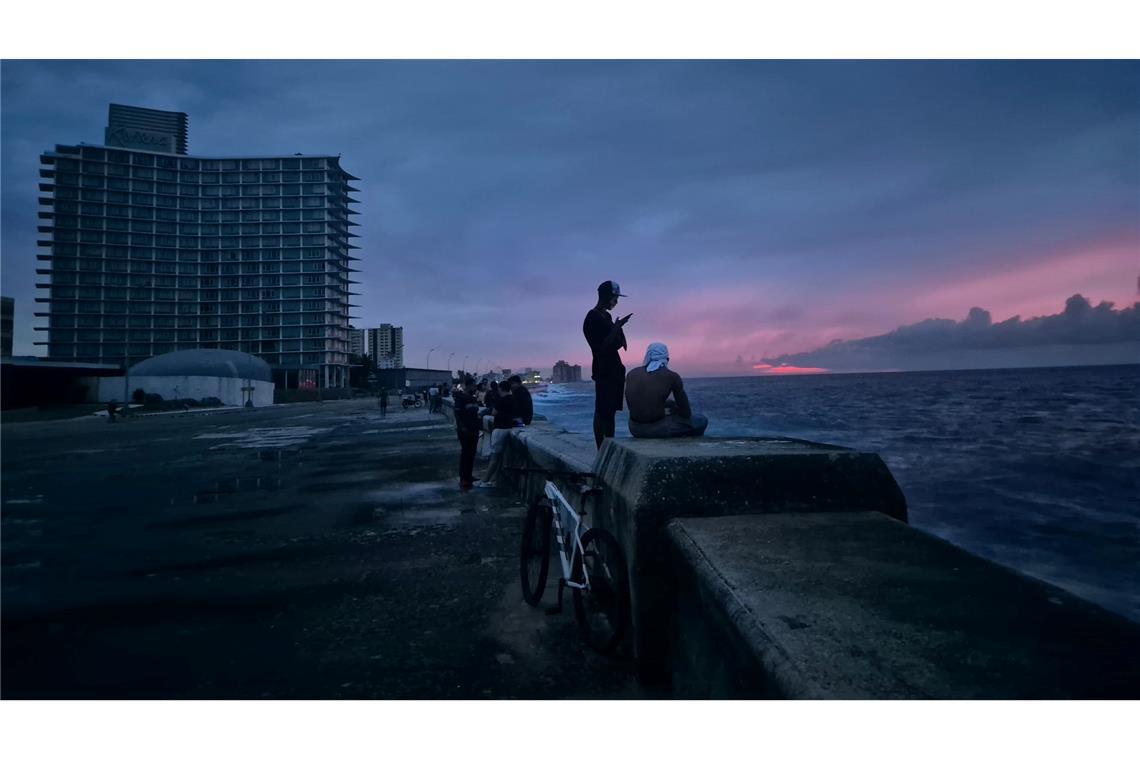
<point x="864" y="607"/>
<point x="541" y="445"/>
<point x="649" y="482"/>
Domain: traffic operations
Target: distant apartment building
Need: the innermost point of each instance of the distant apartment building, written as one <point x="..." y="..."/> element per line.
<point x="356" y="341"/>
<point x="7" y="319"/>
<point x="149" y="250"/>
<point x="385" y="344"/>
<point x="566" y="373"/>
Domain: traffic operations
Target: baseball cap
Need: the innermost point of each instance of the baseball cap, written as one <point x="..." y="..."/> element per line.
<point x="610" y="288"/>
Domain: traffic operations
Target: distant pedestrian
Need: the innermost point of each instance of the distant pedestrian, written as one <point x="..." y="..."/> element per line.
<point x="111" y="409"/>
<point x="605" y="337"/>
<point x="467" y="429"/>
<point x="383" y="402"/>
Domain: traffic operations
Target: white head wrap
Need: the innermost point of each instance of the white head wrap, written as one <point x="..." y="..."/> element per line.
<point x="656" y="357"/>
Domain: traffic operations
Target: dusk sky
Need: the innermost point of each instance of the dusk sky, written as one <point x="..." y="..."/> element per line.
<point x="759" y="210"/>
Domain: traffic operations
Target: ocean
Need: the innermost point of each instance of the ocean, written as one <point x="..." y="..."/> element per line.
<point x="1036" y="469"/>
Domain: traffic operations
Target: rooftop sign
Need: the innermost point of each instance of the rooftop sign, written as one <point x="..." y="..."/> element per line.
<point x="139" y="139"/>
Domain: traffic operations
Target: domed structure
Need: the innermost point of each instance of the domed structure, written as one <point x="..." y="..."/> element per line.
<point x="204" y="362"/>
<point x="234" y="377"/>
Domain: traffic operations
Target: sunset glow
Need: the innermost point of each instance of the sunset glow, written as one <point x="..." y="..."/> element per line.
<point x="922" y="192"/>
<point x="787" y="369"/>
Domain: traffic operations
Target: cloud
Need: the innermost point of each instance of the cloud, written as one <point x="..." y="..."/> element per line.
<point x="1082" y="332"/>
<point x="787" y="369"/>
<point x="751" y="207"/>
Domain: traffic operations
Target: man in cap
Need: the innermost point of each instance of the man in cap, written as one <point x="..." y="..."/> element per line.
<point x="605" y="337"/>
<point x="652" y="414"/>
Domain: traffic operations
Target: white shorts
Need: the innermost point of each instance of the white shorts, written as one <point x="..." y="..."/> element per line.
<point x="499" y="440"/>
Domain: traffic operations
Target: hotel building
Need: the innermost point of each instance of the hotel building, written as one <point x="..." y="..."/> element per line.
<point x="149" y="250"/>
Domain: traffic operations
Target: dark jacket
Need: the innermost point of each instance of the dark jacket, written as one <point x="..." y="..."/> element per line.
<point x="505" y="412"/>
<point x="524" y="404"/>
<point x="466" y="413"/>
<point x="605" y="338"/>
<point x="489" y="399"/>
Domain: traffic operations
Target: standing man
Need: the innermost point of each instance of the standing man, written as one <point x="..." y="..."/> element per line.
<point x="467" y="429"/>
<point x="605" y="337"/>
<point x="383" y="402"/>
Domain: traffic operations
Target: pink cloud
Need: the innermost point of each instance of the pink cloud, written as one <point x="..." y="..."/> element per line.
<point x="1104" y="271"/>
<point x="787" y="369"/>
<point x="707" y="327"/>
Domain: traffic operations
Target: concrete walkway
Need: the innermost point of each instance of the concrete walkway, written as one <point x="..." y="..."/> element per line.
<point x="299" y="551"/>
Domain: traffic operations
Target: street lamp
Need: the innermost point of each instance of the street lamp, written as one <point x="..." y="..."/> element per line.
<point x="427" y="362"/>
<point x="449" y="360"/>
<point x="464" y="367"/>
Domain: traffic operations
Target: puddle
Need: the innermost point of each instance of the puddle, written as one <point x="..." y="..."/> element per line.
<point x="411" y="504"/>
<point x="401" y="429"/>
<point x="410" y="494"/>
<point x="276" y="455"/>
<point x="235" y="485"/>
<point x="264" y="438"/>
<point x="420" y="517"/>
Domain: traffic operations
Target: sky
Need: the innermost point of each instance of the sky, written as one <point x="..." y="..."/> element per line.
<point x="756" y="212"/>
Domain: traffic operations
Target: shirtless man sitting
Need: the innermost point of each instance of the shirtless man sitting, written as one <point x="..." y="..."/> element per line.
<point x="651" y="413"/>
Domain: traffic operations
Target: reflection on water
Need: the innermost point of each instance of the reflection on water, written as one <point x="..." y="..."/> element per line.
<point x="1038" y="469"/>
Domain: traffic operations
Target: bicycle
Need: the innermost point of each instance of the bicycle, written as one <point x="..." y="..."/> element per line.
<point x="592" y="562"/>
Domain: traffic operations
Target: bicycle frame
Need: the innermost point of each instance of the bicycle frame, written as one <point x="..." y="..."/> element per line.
<point x="564" y="514"/>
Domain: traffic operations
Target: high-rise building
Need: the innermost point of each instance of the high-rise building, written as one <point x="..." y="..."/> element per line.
<point x="149" y="250"/>
<point x="7" y="317"/>
<point x="566" y="373"/>
<point x="385" y="344"/>
<point x="356" y="341"/>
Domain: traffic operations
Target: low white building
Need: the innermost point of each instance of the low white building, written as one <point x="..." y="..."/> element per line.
<point x="232" y="376"/>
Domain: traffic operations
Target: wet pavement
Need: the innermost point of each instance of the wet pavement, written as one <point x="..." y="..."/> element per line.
<point x="301" y="551"/>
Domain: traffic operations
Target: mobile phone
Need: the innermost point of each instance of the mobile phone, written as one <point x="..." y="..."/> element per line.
<point x="626" y="317"/>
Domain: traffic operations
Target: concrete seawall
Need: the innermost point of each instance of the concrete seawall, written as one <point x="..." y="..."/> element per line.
<point x="650" y="482"/>
<point x="859" y="606"/>
<point x="774" y="567"/>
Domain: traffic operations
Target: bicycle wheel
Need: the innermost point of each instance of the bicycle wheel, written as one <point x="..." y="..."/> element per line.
<point x="603" y="609"/>
<point x="534" y="559"/>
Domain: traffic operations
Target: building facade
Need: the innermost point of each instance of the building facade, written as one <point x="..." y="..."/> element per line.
<point x="566" y="373"/>
<point x="411" y="379"/>
<point x="7" y="322"/>
<point x="385" y="344"/>
<point x="356" y="342"/>
<point x="150" y="251"/>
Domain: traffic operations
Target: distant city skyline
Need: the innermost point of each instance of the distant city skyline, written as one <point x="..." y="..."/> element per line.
<point x="755" y="211"/>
